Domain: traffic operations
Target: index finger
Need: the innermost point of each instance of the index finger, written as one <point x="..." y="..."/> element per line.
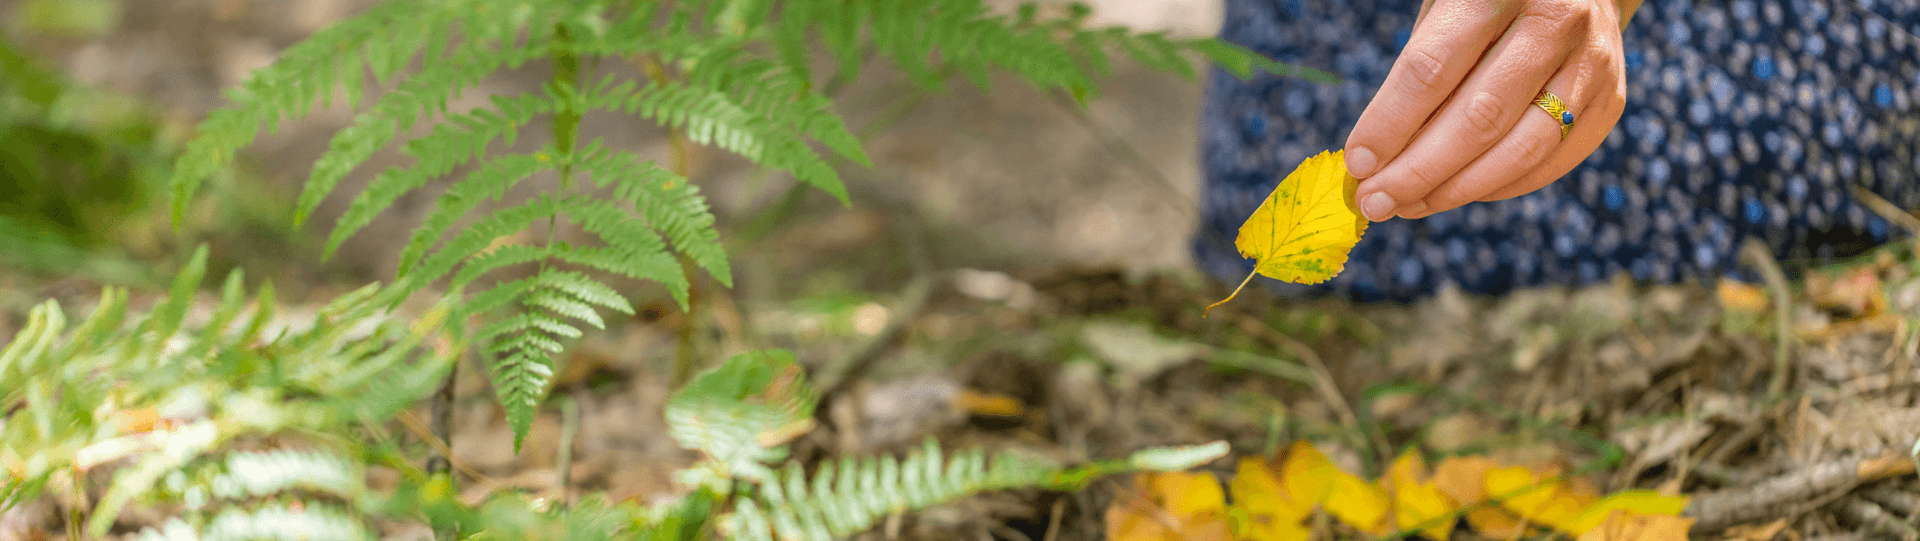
<point x="1451" y="38"/>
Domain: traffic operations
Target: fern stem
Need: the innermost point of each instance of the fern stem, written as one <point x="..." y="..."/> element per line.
<point x="569" y="429"/>
<point x="440" y="462"/>
<point x="686" y="360"/>
<point x="442" y="421"/>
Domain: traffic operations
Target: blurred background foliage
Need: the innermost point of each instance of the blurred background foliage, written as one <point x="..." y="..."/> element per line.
<point x="78" y="165"/>
<point x="81" y="165"/>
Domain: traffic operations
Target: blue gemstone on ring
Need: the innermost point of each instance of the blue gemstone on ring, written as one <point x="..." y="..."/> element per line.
<point x="1566" y="117"/>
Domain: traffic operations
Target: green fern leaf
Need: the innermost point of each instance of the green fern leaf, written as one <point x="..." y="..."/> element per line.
<point x="525" y="341"/>
<point x="311" y="522"/>
<point x="490" y="182"/>
<point x="670" y="204"/>
<point x="520" y="380"/>
<point x="458" y="140"/>
<point x="167" y="317"/>
<point x="302" y="75"/>
<point x="726" y="411"/>
<point x="264" y="473"/>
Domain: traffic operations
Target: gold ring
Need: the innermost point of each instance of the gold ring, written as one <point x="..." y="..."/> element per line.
<point x="1553" y="106"/>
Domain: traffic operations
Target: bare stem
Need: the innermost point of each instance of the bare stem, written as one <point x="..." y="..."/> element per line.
<point x="1236" y="291"/>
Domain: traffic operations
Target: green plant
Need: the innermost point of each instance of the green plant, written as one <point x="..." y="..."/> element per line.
<point x="72" y="160"/>
<point x="257" y="423"/>
<point x="165" y="402"/>
<point x="731" y="73"/>
<point x="253" y="421"/>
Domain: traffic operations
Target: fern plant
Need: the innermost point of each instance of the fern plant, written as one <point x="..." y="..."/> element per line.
<point x="739" y="414"/>
<point x="242" y="424"/>
<point x="736" y="74"/>
<point x="161" y="400"/>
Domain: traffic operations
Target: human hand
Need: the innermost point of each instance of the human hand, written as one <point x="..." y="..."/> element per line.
<point x="1455" y="121"/>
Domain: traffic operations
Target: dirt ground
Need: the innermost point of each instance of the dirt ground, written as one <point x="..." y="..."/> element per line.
<point x="1013" y="274"/>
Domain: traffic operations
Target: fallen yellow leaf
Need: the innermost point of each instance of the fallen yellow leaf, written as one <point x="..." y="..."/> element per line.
<point x="1640" y="502"/>
<point x="1463" y="478"/>
<point x="1310" y="477"/>
<point x="1538" y="497"/>
<point x="1360" y="504"/>
<point x="1304" y="229"/>
<point x="1189" y="494"/>
<point x="1262" y="509"/>
<point x="1417" y="502"/>
<point x="1736" y="296"/>
<point x="135" y="420"/>
<point x="1622" y="525"/>
<point x="1171" y="506"/>
<point x="1307" y="474"/>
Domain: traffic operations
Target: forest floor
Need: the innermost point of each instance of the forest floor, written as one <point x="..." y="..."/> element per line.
<point x="1013" y="274"/>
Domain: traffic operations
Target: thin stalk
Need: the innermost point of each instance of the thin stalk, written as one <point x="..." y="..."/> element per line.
<point x="686" y="357"/>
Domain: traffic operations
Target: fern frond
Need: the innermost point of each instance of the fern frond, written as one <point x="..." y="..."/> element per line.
<point x="707" y="115"/>
<point x="477" y="237"/>
<point x="65" y="391"/>
<point x="852" y="496"/>
<point x="520" y="377"/>
<point x="525" y="341"/>
<point x="490" y="182"/>
<point x="167" y="317"/>
<point x="264" y="473"/>
<point x="669" y="203"/>
<point x="458" y="140"/>
<point x="737" y="412"/>
<point x="302" y="76"/>
<point x="310" y="522"/>
<point x="631" y="249"/>
<point x="422" y="95"/>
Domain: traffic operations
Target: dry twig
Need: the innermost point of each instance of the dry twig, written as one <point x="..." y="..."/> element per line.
<point x="1792" y="492"/>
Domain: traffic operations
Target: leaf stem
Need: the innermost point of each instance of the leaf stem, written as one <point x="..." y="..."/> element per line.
<point x="1236" y="291"/>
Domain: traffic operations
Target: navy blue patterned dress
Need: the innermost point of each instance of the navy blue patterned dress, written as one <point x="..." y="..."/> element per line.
<point x="1745" y="118"/>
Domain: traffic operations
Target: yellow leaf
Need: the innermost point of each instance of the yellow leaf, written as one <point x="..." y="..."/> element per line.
<point x="1310" y="477"/>
<point x="1167" y="506"/>
<point x="1359" y="504"/>
<point x="1463" y="478"/>
<point x="1267" y="516"/>
<point x="1622" y="525"/>
<point x="1305" y="228"/>
<point x="131" y="421"/>
<point x="1643" y="502"/>
<point x="1424" y="507"/>
<point x="1260" y="498"/>
<point x="1536" y="497"/>
<point x="1416" y="502"/>
<point x="1742" y="297"/>
<point x="1409" y="469"/>
<point x="1189" y="494"/>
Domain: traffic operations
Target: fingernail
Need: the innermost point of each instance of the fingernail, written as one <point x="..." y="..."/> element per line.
<point x="1378" y="207"/>
<point x="1360" y="163"/>
<point x="1413" y="210"/>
